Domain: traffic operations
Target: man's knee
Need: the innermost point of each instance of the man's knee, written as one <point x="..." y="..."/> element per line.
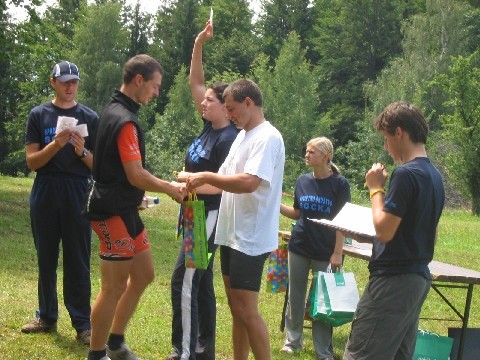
<point x="114" y="291"/>
<point x="144" y="280"/>
<point x="244" y="312"/>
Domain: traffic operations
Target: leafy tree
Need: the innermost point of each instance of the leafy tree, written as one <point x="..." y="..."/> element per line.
<point x="354" y="40"/>
<point x="174" y="36"/>
<point x="139" y="25"/>
<point x="279" y="18"/>
<point x="234" y="45"/>
<point x="66" y="15"/>
<point x="37" y="46"/>
<point x="462" y="125"/>
<point x="100" y="62"/>
<point x="430" y="39"/>
<point x="291" y="102"/>
<point x="178" y="23"/>
<point x="7" y="101"/>
<point x="173" y="132"/>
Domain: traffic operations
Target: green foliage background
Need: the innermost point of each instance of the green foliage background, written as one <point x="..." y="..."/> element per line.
<point x="326" y="67"/>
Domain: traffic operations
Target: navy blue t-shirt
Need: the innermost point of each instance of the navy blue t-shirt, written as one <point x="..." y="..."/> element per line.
<point x="317" y="199"/>
<point x="417" y="196"/>
<point x="41" y="126"/>
<point x="207" y="153"/>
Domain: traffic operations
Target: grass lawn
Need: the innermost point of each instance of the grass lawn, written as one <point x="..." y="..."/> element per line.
<point x="149" y="331"/>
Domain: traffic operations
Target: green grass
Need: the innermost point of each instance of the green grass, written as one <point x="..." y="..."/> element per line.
<point x="149" y="331"/>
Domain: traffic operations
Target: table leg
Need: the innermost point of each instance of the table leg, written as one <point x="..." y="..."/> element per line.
<point x="466" y="315"/>
<point x="282" y="322"/>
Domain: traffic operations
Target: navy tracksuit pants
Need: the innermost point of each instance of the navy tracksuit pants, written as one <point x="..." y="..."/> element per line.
<point x="55" y="212"/>
<point x="194" y="305"/>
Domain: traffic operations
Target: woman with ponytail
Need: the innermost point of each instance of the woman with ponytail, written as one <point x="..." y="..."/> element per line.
<point x="319" y="194"/>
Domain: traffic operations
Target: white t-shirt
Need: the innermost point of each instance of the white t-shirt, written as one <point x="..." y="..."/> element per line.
<point x="249" y="222"/>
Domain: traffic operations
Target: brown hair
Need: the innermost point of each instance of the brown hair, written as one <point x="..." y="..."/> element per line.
<point x="141" y="64"/>
<point x="242" y="89"/>
<point x="218" y="88"/>
<point x="406" y="116"/>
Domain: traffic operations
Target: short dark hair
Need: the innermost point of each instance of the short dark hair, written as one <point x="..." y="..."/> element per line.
<point x="406" y="116"/>
<point x="141" y="64"/>
<point x="218" y="88"/>
<point x="242" y="89"/>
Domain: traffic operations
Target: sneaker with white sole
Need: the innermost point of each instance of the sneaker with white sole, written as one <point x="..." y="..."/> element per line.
<point x="287" y="349"/>
<point x="124" y="353"/>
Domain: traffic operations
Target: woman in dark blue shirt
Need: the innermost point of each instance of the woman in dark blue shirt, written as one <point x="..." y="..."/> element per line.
<point x="318" y="195"/>
<point x="193" y="296"/>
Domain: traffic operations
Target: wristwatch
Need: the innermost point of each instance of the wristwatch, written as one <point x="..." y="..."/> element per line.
<point x="84" y="153"/>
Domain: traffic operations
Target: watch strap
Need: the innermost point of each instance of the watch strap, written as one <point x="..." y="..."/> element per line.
<point x="84" y="153"/>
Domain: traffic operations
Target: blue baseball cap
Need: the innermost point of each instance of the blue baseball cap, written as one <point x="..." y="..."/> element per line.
<point x="65" y="71"/>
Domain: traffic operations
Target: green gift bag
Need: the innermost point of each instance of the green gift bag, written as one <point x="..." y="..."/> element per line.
<point x="192" y="229"/>
<point x="431" y="346"/>
<point x="335" y="298"/>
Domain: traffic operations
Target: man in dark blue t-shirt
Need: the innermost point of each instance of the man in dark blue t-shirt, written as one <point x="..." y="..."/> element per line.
<point x="405" y="219"/>
<point x="61" y="156"/>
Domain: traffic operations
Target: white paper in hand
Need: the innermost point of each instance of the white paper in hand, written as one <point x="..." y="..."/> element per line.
<point x="352" y="219"/>
<point x="211" y="15"/>
<point x="65" y="122"/>
<point x="81" y="129"/>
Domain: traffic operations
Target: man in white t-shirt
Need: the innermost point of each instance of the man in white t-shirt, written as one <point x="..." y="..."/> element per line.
<point x="247" y="229"/>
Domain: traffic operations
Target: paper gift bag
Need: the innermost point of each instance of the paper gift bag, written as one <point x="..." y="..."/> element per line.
<point x="431" y="346"/>
<point x="194" y="232"/>
<point x="277" y="270"/>
<point x="335" y="298"/>
<point x="310" y="298"/>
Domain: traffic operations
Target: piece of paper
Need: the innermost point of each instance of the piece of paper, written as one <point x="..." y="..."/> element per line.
<point x="211" y="15"/>
<point x="81" y="129"/>
<point x="65" y="122"/>
<point x="352" y="219"/>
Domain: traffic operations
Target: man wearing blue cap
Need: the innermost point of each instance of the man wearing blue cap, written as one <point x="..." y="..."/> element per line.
<point x="60" y="136"/>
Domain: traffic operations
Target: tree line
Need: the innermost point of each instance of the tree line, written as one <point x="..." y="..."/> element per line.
<point x="326" y="67"/>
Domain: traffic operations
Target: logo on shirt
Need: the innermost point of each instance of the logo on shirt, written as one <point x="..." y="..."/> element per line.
<point x="49" y="134"/>
<point x="316" y="203"/>
<point x="196" y="151"/>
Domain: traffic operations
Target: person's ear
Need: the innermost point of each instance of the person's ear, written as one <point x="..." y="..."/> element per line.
<point x="138" y="79"/>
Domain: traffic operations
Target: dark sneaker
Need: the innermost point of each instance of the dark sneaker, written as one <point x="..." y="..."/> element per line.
<point x="173" y="356"/>
<point x="83" y="336"/>
<point x="38" y="325"/>
<point x="124" y="353"/>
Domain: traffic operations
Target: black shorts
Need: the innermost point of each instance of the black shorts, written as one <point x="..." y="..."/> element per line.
<point x="245" y="271"/>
